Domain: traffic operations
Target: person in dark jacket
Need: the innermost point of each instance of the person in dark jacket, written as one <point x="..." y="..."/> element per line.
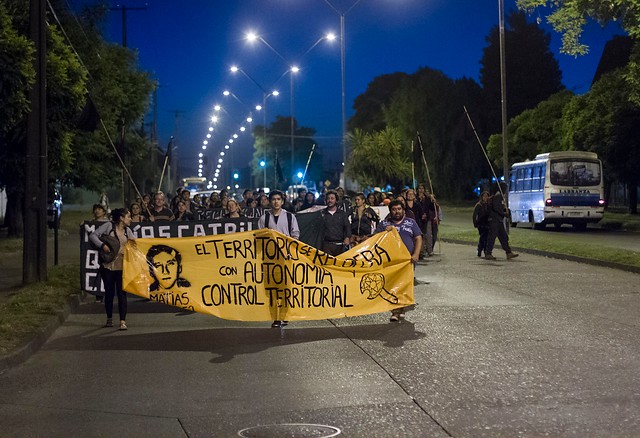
<point x="497" y="213"/>
<point x="335" y="226"/>
<point x="481" y="221"/>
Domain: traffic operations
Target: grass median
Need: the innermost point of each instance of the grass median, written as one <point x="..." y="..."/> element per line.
<point x="553" y="242"/>
<point x="26" y="310"/>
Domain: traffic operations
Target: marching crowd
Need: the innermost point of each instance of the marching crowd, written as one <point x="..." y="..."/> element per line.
<point x="344" y="224"/>
<point x="415" y="214"/>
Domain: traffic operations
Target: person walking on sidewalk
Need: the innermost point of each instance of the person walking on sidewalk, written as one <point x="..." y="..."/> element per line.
<point x="497" y="214"/>
<point x="411" y="236"/>
<point x="111" y="269"/>
<point x="282" y="221"/>
<point x="481" y="221"/>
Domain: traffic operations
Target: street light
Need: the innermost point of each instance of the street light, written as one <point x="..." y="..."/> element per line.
<point x="263" y="163"/>
<point x="342" y="76"/>
<point x="252" y="37"/>
<point x="292" y="70"/>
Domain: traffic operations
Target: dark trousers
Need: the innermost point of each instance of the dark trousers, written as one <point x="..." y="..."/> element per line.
<point x="482" y="242"/>
<point x="496" y="229"/>
<point x="113" y="286"/>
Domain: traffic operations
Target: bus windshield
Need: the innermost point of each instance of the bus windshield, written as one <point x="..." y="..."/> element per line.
<point x="575" y="173"/>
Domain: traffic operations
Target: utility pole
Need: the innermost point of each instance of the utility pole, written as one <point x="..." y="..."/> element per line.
<point x="34" y="261"/>
<point x="126" y="184"/>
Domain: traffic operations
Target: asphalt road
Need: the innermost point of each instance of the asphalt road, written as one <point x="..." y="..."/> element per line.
<point x="530" y="347"/>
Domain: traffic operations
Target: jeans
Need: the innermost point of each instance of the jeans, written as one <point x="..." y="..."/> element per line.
<point x="113" y="286"/>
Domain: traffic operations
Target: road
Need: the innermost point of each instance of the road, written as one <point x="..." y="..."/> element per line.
<point x="530" y="347"/>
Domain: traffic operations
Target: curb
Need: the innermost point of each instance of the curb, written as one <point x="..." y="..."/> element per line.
<point x="31" y="346"/>
<point x="554" y="255"/>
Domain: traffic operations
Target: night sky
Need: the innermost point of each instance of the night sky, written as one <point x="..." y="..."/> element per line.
<point x="190" y="45"/>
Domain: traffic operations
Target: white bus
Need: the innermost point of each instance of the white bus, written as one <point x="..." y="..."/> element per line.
<point x="557" y="188"/>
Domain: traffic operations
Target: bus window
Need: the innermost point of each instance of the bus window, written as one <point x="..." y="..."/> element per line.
<point x="575" y="173"/>
<point x="537" y="181"/>
<point x="527" y="179"/>
<point x="519" y="177"/>
<point x="512" y="181"/>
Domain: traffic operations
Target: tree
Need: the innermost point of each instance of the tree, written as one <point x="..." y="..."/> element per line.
<point x="379" y="158"/>
<point x="64" y="94"/>
<point x="532" y="71"/>
<point x="17" y="74"/>
<point x="603" y="121"/>
<point x="277" y="137"/>
<point x="532" y="132"/>
<point x="431" y="103"/>
<point x="369" y="106"/>
<point x="570" y="16"/>
<point x="119" y="89"/>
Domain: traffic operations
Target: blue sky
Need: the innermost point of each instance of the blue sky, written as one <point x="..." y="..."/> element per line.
<point x="190" y="45"/>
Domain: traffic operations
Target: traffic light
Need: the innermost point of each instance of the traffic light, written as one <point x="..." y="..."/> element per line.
<point x="236" y="175"/>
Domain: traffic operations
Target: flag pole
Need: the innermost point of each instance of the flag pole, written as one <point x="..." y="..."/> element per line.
<point x="166" y="160"/>
<point x="308" y="161"/>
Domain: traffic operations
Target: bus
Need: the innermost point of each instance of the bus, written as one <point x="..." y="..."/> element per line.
<point x="557" y="188"/>
<point x="194" y="183"/>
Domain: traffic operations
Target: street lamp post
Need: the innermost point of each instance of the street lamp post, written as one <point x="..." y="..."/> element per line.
<point x="293" y="70"/>
<point x="263" y="163"/>
<point x="343" y="81"/>
<point x="503" y="94"/>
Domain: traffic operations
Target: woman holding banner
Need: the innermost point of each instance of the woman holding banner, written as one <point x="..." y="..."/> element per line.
<point x="112" y="254"/>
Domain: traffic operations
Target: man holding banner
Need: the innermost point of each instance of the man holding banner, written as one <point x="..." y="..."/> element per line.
<point x="411" y="236"/>
<point x="281" y="221"/>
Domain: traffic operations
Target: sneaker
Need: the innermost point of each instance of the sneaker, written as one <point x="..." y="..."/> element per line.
<point x="123" y="326"/>
<point x="490" y="257"/>
<point x="401" y="315"/>
<point x="394" y="318"/>
<point x="277" y="324"/>
<point x="479" y="253"/>
<point x="512" y="255"/>
<point x="109" y="322"/>
<point x="285" y="323"/>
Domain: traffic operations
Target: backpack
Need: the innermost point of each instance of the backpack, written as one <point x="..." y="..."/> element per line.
<point x="111" y="240"/>
<point x="267" y="216"/>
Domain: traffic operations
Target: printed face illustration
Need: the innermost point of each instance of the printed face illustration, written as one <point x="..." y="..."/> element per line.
<point x="168" y="269"/>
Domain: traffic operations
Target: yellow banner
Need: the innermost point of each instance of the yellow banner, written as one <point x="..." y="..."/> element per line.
<point x="262" y="275"/>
